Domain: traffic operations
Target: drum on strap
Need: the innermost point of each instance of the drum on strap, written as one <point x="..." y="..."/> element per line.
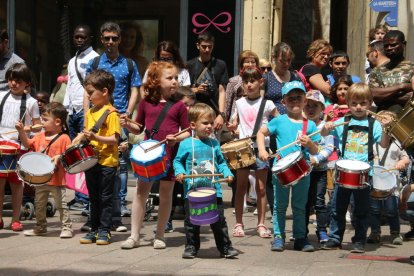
<point x="79" y="158"/>
<point x="9" y="153"/>
<point x="352" y="174"/>
<point x="203" y="206"/>
<point x="152" y="165"/>
<point x="402" y="126"/>
<point x="384" y="183"/>
<point x="291" y="168"/>
<point x="239" y="154"/>
<point x="35" y="168"/>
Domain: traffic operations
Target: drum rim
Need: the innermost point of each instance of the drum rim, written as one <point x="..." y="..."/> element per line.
<point x="79" y="162"/>
<point x="19" y="165"/>
<point x="300" y="156"/>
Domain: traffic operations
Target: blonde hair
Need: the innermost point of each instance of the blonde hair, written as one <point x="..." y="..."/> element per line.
<point x="359" y="91"/>
<point x="200" y="110"/>
<point x="316" y="46"/>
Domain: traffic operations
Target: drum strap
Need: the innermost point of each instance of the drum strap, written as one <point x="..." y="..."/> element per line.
<point x="51" y="142"/>
<point x="369" y="129"/>
<point x="159" y="120"/>
<point x="100" y="121"/>
<point x="22" y="105"/>
<point x="76" y="68"/>
<point x="381" y="161"/>
<point x="258" y="122"/>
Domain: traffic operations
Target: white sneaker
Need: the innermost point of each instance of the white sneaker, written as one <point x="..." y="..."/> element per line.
<point x="159" y="244"/>
<point x="255" y="212"/>
<point x="33" y="232"/>
<point x="121" y="228"/>
<point x="348" y="216"/>
<point x="66" y="234"/>
<point x="130" y="243"/>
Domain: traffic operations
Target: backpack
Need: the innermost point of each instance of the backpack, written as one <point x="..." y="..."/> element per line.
<point x="302" y="77"/>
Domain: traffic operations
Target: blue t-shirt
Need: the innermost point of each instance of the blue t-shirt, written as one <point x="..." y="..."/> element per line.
<point x="288" y="131"/>
<point x="205" y="151"/>
<point x="118" y="69"/>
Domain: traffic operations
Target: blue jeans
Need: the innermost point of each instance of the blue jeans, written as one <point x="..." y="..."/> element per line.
<point x="316" y="197"/>
<point x="299" y="199"/>
<point x="75" y="124"/>
<point x="123" y="177"/>
<point x="339" y="205"/>
<point x="116" y="201"/>
<point x="390" y="206"/>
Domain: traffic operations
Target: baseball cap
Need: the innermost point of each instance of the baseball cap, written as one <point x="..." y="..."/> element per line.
<point x="315" y="95"/>
<point x="289" y="86"/>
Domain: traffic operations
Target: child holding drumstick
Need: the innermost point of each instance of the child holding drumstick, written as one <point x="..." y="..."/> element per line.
<point x="201" y="154"/>
<point x="290" y="127"/>
<point x="53" y="142"/>
<point x="161" y="86"/>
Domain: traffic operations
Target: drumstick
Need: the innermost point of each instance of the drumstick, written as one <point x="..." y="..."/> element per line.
<point x="133" y="122"/>
<point x="375" y="114"/>
<point x="295" y="142"/>
<point x="220" y="180"/>
<point x="15" y="130"/>
<point x="165" y="140"/>
<point x="202" y="175"/>
<point x="389" y="170"/>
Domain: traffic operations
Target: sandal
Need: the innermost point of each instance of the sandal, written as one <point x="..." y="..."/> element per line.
<point x="263" y="231"/>
<point x="238" y="230"/>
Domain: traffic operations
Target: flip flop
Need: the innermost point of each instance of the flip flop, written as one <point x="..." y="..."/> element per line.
<point x="238" y="230"/>
<point x="263" y="231"/>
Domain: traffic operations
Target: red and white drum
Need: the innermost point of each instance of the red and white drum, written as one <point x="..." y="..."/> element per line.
<point x="291" y="168"/>
<point x="79" y="158"/>
<point x="352" y="174"/>
<point x="149" y="166"/>
<point x="9" y="153"/>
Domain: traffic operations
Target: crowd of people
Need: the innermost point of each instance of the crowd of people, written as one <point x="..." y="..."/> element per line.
<point x="324" y="122"/>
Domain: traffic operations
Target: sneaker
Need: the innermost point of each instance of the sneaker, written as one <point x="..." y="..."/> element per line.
<point x="408" y="236"/>
<point x="66" y="234"/>
<point x="348" y="217"/>
<point x="85" y="213"/>
<point x="89" y="238"/>
<point x="278" y="244"/>
<point x="1" y="224"/>
<point x="291" y="238"/>
<point x="189" y="252"/>
<point x="130" y="243"/>
<point x="77" y="206"/>
<point x="412" y="259"/>
<point x="118" y="227"/>
<point x="358" y="247"/>
<point x="35" y="232"/>
<point x="396" y="239"/>
<point x="374" y="238"/>
<point x="229" y="253"/>
<point x="169" y="227"/>
<point x="322" y="236"/>
<point x="125" y="212"/>
<point x="86" y="227"/>
<point x="331" y="245"/>
<point x="104" y="238"/>
<point x="303" y="245"/>
<point x="159" y="244"/>
<point x="16" y="226"/>
<point x="255" y="212"/>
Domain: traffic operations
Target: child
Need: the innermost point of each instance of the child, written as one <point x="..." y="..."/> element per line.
<point x="193" y="154"/>
<point x="397" y="160"/>
<point x="289" y="128"/>
<point x="359" y="136"/>
<point x="161" y="87"/>
<point x="15" y="105"/>
<point x="186" y="95"/>
<point x="318" y="177"/>
<point x="53" y="142"/>
<point x="42" y="100"/>
<point x="245" y="118"/>
<point x="338" y="108"/>
<point x="100" y="179"/>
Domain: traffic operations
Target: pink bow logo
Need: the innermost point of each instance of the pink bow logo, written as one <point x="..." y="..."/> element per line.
<point x="224" y="17"/>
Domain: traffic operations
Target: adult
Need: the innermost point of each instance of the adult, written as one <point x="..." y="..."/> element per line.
<point x="339" y="62"/>
<point x="318" y="55"/>
<point x="376" y="54"/>
<point x="125" y="95"/>
<point x="7" y="59"/>
<point x="391" y="83"/>
<point x="209" y="77"/>
<point x="168" y="51"/>
<point x="132" y="45"/>
<point x="73" y="99"/>
<point x="375" y="34"/>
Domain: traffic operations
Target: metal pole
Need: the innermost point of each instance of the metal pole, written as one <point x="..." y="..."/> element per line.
<point x="11" y="23"/>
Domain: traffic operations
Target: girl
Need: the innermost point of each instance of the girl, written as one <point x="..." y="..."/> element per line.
<point x="15" y="105"/>
<point x="338" y="108"/>
<point x="249" y="120"/>
<point x="53" y="142"/>
<point x="161" y="86"/>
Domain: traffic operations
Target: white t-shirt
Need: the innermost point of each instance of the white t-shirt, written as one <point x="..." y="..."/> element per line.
<point x="11" y="113"/>
<point x="247" y="111"/>
<point x="183" y="78"/>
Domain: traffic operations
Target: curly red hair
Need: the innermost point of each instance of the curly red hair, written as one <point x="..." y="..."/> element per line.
<point x="152" y="86"/>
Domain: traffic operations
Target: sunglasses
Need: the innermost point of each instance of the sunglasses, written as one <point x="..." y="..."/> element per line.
<point x="266" y="68"/>
<point x="108" y="38"/>
<point x="167" y="59"/>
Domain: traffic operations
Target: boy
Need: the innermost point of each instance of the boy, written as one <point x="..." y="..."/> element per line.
<point x="196" y="154"/>
<point x="359" y="136"/>
<point x="100" y="179"/>
<point x="288" y="128"/>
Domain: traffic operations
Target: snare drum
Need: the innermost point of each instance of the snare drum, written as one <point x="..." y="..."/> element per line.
<point x="384" y="183"/>
<point x="291" y="168"/>
<point x="149" y="166"/>
<point x="35" y="168"/>
<point x="9" y="153"/>
<point x="402" y="127"/>
<point x="79" y="158"/>
<point x="239" y="154"/>
<point x="351" y="174"/>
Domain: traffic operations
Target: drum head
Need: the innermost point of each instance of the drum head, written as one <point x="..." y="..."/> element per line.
<point x="138" y="151"/>
<point x="383" y="180"/>
<point x="36" y="163"/>
<point x="286" y="161"/>
<point x="83" y="165"/>
<point x="352" y="165"/>
<point x="236" y="145"/>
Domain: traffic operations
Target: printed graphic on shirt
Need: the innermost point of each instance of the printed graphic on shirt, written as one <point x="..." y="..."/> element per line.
<point x="357" y="144"/>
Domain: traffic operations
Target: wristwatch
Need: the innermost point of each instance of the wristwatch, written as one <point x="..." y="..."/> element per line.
<point x="129" y="114"/>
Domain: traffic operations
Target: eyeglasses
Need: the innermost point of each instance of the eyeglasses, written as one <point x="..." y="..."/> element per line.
<point x="108" y="38"/>
<point x="266" y="68"/>
<point x="205" y="46"/>
<point x="167" y="59"/>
